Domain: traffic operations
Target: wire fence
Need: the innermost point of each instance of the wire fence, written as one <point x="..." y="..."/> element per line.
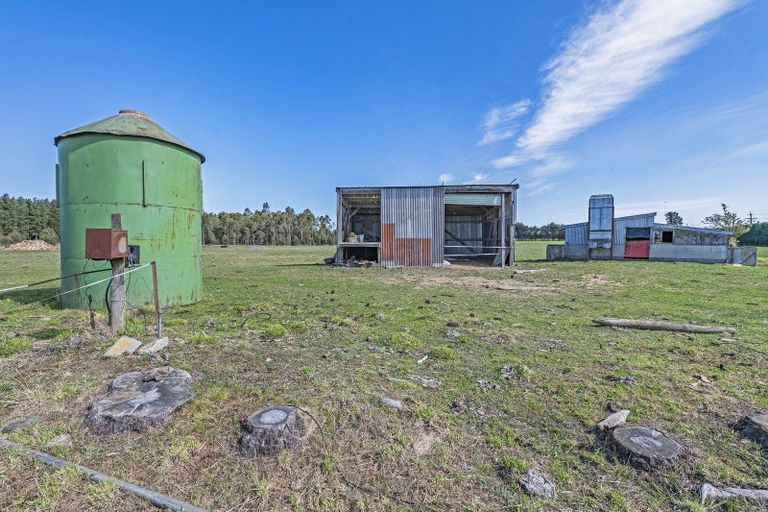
<point x="57" y="295"/>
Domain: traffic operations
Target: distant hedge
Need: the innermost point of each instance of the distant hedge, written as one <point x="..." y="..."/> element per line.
<point x="757" y="235"/>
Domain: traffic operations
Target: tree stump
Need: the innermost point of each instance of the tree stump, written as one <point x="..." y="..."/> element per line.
<point x="136" y="401"/>
<point x="270" y="430"/>
<point x="754" y="428"/>
<point x="645" y="447"/>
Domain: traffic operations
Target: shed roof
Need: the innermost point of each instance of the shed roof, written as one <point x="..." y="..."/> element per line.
<point x="473" y="187"/>
<point x="618" y="219"/>
<point x="672" y="227"/>
<point x="129" y="123"/>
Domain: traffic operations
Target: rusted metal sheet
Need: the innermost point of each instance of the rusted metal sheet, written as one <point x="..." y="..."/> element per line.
<point x="637" y="249"/>
<point x="106" y="243"/>
<point x="412" y="226"/>
<point x="387" y="249"/>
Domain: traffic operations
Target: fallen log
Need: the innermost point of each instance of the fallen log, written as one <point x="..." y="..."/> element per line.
<point x="663" y="326"/>
<point x="157" y="499"/>
<point x="710" y="492"/>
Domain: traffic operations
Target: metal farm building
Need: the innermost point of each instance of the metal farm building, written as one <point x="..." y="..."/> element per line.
<point x="427" y="225"/>
<point x="604" y="236"/>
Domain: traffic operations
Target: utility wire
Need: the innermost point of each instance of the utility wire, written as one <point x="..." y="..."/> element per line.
<point x="76" y="289"/>
<point x="59" y="278"/>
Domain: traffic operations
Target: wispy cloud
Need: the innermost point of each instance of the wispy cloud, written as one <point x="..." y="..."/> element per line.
<point x="621" y="50"/>
<point x="607" y="62"/>
<point x="539" y="186"/>
<point x="445" y="178"/>
<point x="665" y="205"/>
<point x="480" y="176"/>
<point x="503" y="122"/>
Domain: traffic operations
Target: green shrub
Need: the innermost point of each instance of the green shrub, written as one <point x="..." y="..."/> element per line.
<point x="442" y="352"/>
<point x="274" y="331"/>
<point x="424" y="413"/>
<point x="404" y="341"/>
<point x="510" y="465"/>
<point x="14" y="346"/>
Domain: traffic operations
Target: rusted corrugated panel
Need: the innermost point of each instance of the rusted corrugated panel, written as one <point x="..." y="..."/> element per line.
<point x="387" y="248"/>
<point x="416" y="215"/>
<point x="413" y="252"/>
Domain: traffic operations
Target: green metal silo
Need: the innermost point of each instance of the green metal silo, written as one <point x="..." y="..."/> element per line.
<point x="128" y="164"/>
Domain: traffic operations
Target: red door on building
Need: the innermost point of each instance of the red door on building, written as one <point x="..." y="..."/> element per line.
<point x="637" y="249"/>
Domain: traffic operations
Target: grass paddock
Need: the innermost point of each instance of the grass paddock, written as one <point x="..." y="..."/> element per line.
<point x="277" y="326"/>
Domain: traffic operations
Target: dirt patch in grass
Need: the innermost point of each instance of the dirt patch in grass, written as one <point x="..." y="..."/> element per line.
<point x="458" y="278"/>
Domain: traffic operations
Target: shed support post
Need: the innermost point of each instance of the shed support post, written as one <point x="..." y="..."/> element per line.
<point x="339" y="228"/>
<point x="503" y="228"/>
<point x="117" y="286"/>
<point x="512" y="234"/>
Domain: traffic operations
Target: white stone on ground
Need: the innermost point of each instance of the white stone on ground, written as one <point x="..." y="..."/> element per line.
<point x="125" y="345"/>
<point x="537" y="483"/>
<point x="614" y="420"/>
<point x="391" y="403"/>
<point x="155" y="346"/>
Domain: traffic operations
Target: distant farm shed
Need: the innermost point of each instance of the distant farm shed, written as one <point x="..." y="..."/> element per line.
<point x="604" y="236"/>
<point x="427" y="225"/>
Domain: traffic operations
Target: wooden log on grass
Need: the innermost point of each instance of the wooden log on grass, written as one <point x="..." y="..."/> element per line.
<point x="663" y="326"/>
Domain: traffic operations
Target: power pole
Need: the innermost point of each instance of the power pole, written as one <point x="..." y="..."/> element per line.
<point x="751" y="219"/>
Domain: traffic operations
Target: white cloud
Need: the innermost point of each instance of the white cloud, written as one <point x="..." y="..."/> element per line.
<point x="502" y="123"/>
<point x="445" y="178"/>
<point x="479" y="177"/>
<point x="620" y="51"/>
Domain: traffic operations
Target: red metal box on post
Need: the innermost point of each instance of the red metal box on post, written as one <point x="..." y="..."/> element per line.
<point x="106" y="243"/>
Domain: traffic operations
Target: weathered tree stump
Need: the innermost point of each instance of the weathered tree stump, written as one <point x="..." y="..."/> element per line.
<point x="645" y="447"/>
<point x="270" y="430"/>
<point x="136" y="401"/>
<point x="754" y="428"/>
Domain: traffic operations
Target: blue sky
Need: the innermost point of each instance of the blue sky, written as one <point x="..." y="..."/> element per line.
<point x="664" y="104"/>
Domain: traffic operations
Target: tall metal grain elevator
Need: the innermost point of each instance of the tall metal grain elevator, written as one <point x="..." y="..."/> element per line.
<point x="130" y="165"/>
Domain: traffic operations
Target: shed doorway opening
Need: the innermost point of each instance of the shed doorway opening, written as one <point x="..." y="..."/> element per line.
<point x="474" y="231"/>
<point x="360" y="226"/>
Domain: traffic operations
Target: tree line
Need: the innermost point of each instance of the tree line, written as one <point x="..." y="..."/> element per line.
<point x="267" y="227"/>
<point x="551" y="231"/>
<point x="38" y="219"/>
<point x="28" y="219"/>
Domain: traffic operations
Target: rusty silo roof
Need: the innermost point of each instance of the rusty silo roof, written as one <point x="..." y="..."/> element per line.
<point x="129" y="123"/>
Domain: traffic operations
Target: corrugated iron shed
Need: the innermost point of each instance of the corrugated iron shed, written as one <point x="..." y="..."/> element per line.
<point x="413" y="222"/>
